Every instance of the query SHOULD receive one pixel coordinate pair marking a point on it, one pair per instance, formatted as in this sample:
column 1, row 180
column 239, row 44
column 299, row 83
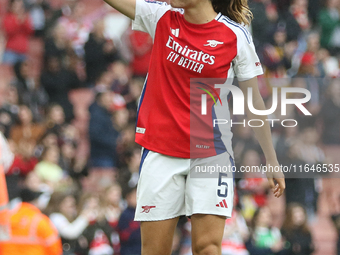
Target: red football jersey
column 182, row 51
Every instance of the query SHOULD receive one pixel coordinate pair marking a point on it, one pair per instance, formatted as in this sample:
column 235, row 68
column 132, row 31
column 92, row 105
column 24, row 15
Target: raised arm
column 126, row 7
column 263, row 135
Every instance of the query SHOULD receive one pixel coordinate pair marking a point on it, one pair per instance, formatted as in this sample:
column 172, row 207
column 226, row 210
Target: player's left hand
column 275, row 177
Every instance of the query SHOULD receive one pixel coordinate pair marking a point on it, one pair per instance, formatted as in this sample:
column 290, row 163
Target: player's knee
column 206, row 247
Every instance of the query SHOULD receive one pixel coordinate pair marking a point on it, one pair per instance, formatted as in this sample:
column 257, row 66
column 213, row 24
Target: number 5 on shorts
column 222, row 192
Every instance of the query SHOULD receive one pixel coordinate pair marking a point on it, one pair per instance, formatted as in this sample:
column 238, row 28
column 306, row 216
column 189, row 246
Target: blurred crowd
column 91, row 198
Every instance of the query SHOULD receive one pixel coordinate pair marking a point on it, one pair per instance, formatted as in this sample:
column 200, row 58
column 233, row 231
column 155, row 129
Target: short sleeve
column 246, row 63
column 148, row 13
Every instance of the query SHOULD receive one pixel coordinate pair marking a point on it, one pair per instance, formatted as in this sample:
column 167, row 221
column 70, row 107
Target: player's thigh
column 207, row 233
column 161, row 187
column 157, row 236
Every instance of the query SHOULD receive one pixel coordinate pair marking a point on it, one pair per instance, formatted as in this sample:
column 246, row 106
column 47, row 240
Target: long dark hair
column 237, row 10
column 288, row 225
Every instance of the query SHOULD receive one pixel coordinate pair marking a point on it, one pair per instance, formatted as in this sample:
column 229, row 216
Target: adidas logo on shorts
column 222, row 204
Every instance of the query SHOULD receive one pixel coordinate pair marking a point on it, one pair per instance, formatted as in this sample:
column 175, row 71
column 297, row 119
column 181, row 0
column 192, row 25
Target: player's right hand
column 276, row 179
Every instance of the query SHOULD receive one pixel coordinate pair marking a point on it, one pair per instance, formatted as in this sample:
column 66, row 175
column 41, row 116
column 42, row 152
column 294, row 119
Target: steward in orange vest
column 32, row 233
column 6, row 160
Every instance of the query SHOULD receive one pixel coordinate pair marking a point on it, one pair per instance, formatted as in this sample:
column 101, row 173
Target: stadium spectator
column 129, row 173
column 18, row 28
column 49, row 139
column 97, row 237
column 120, row 118
column 113, row 201
column 308, row 66
column 103, row 136
column 296, row 185
column 29, row 91
column 104, row 81
column 70, row 134
column 298, row 10
column 305, row 190
column 252, row 187
column 129, row 230
column 313, row 43
column 48, row 169
column 55, row 119
column 126, row 143
column 103, row 140
column 328, row 64
column 24, row 160
column 266, row 19
column 121, row 77
column 74, row 166
column 9, row 110
column 312, row 51
column 77, row 26
column 57, row 45
column 265, row 239
column 14, row 175
column 33, row 182
column 114, row 206
column 276, row 57
column 65, row 9
column 132, row 98
column 287, row 19
column 26, row 130
column 296, row 232
column 99, row 53
column 62, row 210
column 329, row 21
column 58, row 82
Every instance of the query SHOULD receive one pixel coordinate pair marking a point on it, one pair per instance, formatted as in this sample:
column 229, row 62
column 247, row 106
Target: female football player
column 199, row 46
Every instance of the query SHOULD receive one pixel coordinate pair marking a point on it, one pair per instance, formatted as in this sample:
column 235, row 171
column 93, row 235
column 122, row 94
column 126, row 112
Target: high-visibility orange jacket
column 32, row 233
column 6, row 159
column 4, row 217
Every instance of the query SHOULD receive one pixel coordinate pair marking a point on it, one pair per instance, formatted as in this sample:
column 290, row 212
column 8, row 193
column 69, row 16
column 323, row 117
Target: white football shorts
column 170, row 187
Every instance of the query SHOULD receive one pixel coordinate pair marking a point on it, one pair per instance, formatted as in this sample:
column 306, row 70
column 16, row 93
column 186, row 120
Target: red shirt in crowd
column 17, row 33
column 22, row 166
